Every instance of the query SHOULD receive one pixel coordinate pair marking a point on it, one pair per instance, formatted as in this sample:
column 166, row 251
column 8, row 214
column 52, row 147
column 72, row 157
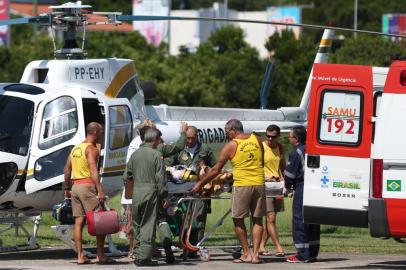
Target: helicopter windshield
column 16, row 116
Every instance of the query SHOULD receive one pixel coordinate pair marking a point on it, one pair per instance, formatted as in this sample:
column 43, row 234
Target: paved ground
column 60, row 258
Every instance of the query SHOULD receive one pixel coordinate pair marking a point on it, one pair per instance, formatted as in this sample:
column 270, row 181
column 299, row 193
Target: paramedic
column 127, row 203
column 192, row 156
column 166, row 150
column 305, row 236
column 146, row 169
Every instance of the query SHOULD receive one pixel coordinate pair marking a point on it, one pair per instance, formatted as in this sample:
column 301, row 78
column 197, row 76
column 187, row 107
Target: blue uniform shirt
column 294, row 172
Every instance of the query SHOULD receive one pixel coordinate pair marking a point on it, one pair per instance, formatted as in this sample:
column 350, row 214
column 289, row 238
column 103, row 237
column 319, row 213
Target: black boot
column 170, row 258
column 146, row 262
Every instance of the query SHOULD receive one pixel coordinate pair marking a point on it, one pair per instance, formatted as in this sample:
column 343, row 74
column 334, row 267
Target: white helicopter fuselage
column 45, row 115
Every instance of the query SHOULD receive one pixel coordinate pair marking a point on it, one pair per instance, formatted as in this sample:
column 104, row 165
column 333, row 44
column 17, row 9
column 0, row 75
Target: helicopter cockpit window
column 129, row 90
column 120, row 126
column 59, row 122
column 15, row 137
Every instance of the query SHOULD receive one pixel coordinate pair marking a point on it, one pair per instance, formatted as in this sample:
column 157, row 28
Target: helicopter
column 54, row 101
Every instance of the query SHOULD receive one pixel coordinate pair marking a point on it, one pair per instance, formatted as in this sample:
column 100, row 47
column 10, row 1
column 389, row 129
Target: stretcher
column 179, row 193
column 186, row 227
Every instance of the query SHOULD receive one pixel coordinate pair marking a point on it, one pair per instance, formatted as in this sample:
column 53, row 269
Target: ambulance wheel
column 204, row 255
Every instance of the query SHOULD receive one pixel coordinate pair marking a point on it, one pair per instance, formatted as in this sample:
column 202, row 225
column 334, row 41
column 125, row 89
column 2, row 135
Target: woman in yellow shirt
column 274, row 165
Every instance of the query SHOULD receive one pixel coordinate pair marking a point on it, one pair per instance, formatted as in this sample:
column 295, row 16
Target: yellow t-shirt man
column 272, row 161
column 247, row 163
column 80, row 166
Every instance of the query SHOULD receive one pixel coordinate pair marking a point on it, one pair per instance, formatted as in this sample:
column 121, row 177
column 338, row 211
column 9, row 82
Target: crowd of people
column 261, row 180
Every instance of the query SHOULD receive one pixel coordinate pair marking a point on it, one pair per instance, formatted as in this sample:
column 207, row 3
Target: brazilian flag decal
column 393, row 185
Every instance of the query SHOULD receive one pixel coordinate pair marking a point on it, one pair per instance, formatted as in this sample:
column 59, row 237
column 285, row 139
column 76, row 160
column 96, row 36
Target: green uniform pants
column 164, row 230
column 145, row 213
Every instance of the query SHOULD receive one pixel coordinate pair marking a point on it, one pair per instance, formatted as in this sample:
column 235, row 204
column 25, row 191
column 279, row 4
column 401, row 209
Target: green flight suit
column 205, row 154
column 167, row 150
column 147, row 170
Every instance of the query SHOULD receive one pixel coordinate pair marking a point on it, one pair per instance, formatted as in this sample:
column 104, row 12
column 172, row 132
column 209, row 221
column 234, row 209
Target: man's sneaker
column 295, row 259
column 312, row 260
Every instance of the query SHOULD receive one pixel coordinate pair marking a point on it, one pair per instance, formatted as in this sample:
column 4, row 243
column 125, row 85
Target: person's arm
column 128, row 180
column 160, row 177
column 261, row 146
column 282, row 163
column 172, row 160
column 292, row 169
column 226, row 153
column 171, row 149
column 67, row 174
column 210, row 159
column 128, row 172
column 92, row 158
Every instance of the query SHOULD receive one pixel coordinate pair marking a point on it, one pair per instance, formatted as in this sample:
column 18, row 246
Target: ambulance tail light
column 377, row 178
column 403, row 78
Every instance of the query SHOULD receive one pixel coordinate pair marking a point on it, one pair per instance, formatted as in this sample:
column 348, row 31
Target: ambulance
column 355, row 167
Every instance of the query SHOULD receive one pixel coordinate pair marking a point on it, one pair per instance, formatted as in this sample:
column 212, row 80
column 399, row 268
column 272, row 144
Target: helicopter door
column 57, row 128
column 118, row 135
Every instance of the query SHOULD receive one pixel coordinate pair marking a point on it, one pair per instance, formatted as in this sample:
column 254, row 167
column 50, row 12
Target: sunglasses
column 272, row 137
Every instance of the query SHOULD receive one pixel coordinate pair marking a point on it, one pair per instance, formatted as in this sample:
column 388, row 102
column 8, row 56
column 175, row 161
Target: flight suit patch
column 185, row 157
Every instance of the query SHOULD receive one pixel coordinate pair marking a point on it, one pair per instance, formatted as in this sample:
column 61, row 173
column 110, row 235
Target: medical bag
column 62, row 212
column 102, row 221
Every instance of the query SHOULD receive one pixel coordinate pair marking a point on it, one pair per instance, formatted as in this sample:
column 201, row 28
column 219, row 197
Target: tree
column 293, row 64
column 224, row 72
column 14, row 59
column 368, row 50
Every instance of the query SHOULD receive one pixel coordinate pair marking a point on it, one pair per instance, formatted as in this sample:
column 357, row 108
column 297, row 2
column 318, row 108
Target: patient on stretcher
column 181, row 179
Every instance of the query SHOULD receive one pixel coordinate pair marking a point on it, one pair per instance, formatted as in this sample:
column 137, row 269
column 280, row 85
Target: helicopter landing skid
column 16, row 222
column 63, row 232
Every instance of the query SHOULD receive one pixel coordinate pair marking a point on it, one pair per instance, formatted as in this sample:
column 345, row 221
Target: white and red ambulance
column 355, row 171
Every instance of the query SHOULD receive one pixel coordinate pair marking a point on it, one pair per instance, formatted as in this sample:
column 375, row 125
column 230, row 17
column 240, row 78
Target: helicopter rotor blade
column 314, row 26
column 39, row 19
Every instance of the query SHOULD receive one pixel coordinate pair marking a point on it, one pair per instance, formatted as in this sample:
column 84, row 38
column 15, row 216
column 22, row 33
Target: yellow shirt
column 272, row 160
column 80, row 167
column 247, row 163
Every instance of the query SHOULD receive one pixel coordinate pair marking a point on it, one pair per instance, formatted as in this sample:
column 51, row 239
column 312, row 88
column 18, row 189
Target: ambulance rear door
column 338, row 146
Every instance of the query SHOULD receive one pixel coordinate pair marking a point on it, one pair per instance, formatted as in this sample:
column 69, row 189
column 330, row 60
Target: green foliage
column 14, row 59
column 223, row 72
column 123, row 6
column 293, row 64
column 368, row 50
column 341, row 12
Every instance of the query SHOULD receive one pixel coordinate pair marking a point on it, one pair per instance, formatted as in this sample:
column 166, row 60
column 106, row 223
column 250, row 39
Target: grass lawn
column 333, row 239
